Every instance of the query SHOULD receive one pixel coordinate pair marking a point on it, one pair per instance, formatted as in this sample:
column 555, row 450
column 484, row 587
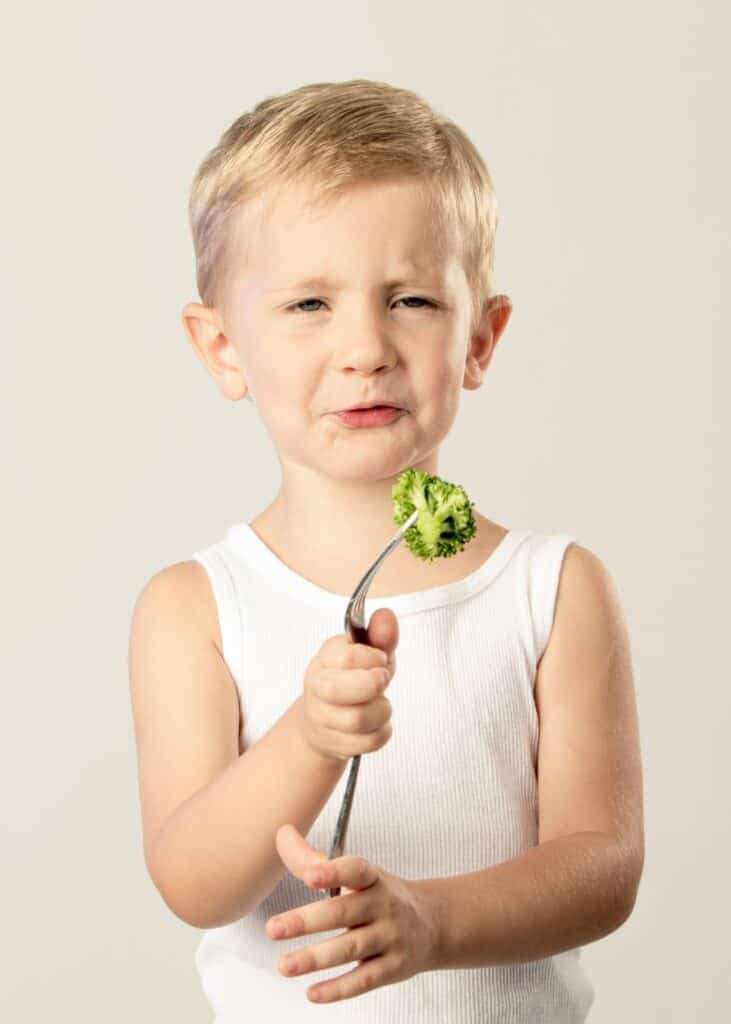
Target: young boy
column 344, row 237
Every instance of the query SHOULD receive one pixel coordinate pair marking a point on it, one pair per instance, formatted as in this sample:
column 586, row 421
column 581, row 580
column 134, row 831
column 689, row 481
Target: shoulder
column 181, row 593
column 582, row 567
column 589, row 632
column 586, row 587
column 589, row 761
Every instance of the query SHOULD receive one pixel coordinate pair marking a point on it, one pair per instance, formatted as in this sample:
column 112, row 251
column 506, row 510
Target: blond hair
column 334, row 134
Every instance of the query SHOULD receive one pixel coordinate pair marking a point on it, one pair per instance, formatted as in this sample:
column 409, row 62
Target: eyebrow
column 323, row 282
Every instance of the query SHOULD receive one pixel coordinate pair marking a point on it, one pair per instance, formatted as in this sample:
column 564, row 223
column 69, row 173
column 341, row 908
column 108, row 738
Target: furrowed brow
column 323, row 282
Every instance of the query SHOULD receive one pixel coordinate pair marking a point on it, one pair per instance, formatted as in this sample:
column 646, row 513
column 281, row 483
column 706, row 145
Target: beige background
column 606, row 129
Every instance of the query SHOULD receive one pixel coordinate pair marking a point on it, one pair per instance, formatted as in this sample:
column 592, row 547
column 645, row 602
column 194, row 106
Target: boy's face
column 358, row 301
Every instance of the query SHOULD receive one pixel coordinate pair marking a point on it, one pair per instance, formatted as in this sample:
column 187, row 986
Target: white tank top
column 453, row 791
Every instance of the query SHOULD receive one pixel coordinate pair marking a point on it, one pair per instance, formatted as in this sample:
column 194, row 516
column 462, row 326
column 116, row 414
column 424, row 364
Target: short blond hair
column 334, row 134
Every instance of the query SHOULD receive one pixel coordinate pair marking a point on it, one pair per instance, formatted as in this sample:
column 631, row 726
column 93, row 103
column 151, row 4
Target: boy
column 344, row 236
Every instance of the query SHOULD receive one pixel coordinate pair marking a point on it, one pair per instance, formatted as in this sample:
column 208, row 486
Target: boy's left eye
column 406, row 298
column 415, row 298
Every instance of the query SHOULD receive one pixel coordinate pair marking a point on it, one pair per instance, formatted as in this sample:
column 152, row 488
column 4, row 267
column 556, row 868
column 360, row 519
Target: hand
column 343, row 711
column 392, row 929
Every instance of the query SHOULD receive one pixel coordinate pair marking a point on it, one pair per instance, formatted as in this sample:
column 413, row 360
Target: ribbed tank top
column 454, row 790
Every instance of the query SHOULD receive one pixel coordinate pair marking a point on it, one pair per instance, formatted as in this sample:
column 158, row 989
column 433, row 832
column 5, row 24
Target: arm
column 580, row 883
column 210, row 814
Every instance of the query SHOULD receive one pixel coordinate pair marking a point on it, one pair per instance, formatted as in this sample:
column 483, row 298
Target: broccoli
column 444, row 523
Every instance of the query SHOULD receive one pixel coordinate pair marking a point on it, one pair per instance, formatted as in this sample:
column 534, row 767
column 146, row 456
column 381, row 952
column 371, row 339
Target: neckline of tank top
column 248, row 545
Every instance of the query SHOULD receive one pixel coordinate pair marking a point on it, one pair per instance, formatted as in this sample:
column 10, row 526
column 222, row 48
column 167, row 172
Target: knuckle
column 351, row 950
column 357, row 720
column 340, row 915
column 375, row 740
column 399, row 961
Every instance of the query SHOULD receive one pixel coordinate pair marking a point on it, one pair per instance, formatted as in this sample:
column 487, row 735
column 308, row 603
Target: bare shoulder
column 185, row 589
column 589, row 762
column 589, row 624
column 184, row 700
column 587, row 589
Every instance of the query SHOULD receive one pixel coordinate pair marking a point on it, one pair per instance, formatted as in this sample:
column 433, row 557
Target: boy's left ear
column 485, row 337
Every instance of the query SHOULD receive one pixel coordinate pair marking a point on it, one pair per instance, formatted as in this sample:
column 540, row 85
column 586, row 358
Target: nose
column 364, row 341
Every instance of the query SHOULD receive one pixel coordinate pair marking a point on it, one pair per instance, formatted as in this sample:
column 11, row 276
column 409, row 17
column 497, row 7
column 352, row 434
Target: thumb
column 299, row 856
column 383, row 631
column 295, row 851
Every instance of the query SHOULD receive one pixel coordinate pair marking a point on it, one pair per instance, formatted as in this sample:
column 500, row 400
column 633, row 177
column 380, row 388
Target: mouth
column 370, row 405
column 370, row 416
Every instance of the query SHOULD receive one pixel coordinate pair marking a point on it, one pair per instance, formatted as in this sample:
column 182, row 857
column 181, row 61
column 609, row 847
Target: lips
column 371, row 405
column 374, row 417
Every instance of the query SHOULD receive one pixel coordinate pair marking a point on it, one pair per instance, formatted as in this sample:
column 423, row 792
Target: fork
column 357, row 632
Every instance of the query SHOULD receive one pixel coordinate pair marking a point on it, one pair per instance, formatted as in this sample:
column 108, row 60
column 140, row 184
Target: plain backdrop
column 604, row 414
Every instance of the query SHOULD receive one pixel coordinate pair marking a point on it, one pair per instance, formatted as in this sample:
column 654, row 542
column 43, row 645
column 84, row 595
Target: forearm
column 215, row 859
column 559, row 895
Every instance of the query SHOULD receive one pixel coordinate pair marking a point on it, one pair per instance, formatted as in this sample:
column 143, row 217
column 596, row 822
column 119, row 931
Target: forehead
column 294, row 229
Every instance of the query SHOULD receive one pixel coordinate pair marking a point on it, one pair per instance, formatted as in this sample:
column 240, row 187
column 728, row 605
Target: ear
column 205, row 329
column 484, row 339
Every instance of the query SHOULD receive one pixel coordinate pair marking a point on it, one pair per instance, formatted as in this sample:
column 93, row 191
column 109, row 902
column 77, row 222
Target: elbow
column 623, row 909
column 632, row 893
column 188, row 895
column 174, row 889
column 179, row 908
column 629, row 876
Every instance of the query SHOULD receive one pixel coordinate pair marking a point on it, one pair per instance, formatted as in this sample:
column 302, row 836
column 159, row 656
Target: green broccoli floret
column 444, row 523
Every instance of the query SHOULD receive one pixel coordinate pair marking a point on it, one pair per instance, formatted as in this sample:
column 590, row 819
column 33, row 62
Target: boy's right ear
column 216, row 351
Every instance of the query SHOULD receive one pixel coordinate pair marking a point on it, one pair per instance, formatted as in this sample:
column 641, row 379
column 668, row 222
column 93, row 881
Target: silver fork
column 356, row 630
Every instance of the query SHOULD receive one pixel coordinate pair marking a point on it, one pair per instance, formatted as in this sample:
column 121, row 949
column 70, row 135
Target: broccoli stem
column 429, row 525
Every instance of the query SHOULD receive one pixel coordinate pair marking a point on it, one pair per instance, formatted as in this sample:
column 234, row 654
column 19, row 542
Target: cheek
column 290, row 407
column 440, row 377
column 282, row 377
column 439, row 394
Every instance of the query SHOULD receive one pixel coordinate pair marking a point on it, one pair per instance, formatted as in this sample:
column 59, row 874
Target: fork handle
column 359, row 635
column 357, row 632
column 336, row 850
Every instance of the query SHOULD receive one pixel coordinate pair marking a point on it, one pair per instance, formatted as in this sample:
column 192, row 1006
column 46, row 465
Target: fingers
column 356, row 872
column 345, row 655
column 351, row 674
column 354, row 716
column 344, row 710
column 352, row 688
column 359, row 945
column 345, row 911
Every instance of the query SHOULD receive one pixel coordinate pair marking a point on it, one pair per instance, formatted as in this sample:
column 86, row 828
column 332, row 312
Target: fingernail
column 316, row 877
column 279, row 929
column 290, row 964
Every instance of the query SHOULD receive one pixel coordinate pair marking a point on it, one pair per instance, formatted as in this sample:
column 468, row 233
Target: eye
column 415, row 298
column 297, row 306
column 303, row 302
